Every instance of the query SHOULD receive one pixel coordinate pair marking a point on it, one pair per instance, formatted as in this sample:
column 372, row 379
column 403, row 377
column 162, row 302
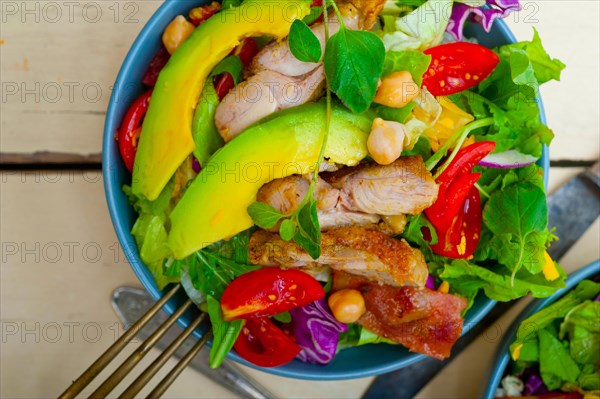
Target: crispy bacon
column 423, row 320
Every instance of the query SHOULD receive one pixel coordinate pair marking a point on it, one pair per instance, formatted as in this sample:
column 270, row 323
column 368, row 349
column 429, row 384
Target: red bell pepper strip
column 156, row 65
column 261, row 343
column 458, row 66
column 201, row 14
column 130, row 129
column 460, row 240
column 455, row 183
column 267, row 292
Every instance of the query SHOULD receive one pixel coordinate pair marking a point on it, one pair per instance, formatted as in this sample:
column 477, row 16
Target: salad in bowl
column 320, row 176
column 553, row 350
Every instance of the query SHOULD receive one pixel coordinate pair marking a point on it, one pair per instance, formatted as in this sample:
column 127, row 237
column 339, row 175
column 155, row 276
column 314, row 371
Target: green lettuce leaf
column 421, row 29
column 556, row 365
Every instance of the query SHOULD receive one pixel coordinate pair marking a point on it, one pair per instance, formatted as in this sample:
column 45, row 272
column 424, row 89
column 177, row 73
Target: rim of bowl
column 111, row 162
column 502, row 356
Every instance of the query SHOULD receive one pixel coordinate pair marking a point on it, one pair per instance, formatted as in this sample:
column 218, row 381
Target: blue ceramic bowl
column 351, row 363
column 503, row 357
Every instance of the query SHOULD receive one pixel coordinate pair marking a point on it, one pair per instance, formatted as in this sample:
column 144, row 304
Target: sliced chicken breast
column 261, row 95
column 405, row 186
column 360, row 251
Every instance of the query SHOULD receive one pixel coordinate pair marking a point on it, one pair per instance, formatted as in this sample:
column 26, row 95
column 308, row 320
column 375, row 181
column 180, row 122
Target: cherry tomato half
column 260, row 342
column 460, row 240
column 458, row 66
column 267, row 292
column 129, row 131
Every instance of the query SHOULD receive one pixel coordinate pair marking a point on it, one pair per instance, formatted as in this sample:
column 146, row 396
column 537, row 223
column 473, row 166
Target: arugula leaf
column 353, row 63
column 556, row 365
column 582, row 324
column 264, row 215
column 518, row 216
column 304, row 44
column 308, row 235
column 211, row 273
column 224, row 333
column 284, row 317
column 414, row 62
column 231, row 64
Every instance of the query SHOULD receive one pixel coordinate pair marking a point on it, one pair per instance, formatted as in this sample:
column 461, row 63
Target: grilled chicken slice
column 423, row 320
column 277, row 56
column 405, row 186
column 261, row 95
column 287, row 193
column 366, row 195
column 360, row 251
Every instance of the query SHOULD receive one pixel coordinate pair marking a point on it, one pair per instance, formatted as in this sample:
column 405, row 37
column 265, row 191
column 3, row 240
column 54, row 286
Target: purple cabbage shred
column 533, row 384
column 196, row 167
column 430, row 283
column 483, row 16
column 316, row 331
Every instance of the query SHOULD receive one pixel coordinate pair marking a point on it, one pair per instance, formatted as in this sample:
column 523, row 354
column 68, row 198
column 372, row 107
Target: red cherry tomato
column 246, row 50
column 130, row 129
column 201, row 14
column 261, row 343
column 460, row 240
column 458, row 66
column 455, row 183
column 223, row 83
column 156, row 65
column 267, row 292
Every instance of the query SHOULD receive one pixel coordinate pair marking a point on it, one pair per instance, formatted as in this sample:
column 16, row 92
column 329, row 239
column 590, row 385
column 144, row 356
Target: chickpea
column 396, row 90
column 347, row 305
column 176, row 32
column 386, row 141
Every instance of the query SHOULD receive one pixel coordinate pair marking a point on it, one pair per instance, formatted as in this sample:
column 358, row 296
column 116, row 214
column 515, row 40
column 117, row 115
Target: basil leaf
column 353, row 63
column 304, row 45
column 231, row 64
column 308, row 235
column 264, row 215
column 287, row 229
column 230, row 4
column 224, row 333
column 315, row 13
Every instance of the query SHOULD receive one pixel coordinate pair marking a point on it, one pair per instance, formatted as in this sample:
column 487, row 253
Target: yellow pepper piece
column 516, row 353
column 451, row 119
column 549, row 270
column 444, row 287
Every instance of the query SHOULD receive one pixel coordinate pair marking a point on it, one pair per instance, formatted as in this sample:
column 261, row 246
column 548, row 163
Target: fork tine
column 166, row 382
column 88, row 375
column 147, row 374
column 117, row 376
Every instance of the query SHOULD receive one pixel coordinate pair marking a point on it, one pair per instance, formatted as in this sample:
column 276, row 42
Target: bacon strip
column 422, row 320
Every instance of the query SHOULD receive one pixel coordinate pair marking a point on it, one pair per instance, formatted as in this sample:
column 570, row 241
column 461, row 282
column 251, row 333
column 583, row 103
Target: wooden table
column 60, row 256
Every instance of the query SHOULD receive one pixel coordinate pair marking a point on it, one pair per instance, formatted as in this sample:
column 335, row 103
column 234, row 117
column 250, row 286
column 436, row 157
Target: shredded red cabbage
column 316, row 331
column 533, row 384
column 430, row 283
column 483, row 16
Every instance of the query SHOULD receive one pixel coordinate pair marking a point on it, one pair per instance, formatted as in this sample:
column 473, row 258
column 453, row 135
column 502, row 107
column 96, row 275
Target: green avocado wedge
column 166, row 138
column 214, row 206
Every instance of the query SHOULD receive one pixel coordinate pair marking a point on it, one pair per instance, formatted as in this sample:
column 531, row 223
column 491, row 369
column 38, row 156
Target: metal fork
column 117, row 376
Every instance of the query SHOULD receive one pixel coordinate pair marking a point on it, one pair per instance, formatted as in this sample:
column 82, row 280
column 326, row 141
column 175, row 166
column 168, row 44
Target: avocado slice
column 166, row 138
column 288, row 142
